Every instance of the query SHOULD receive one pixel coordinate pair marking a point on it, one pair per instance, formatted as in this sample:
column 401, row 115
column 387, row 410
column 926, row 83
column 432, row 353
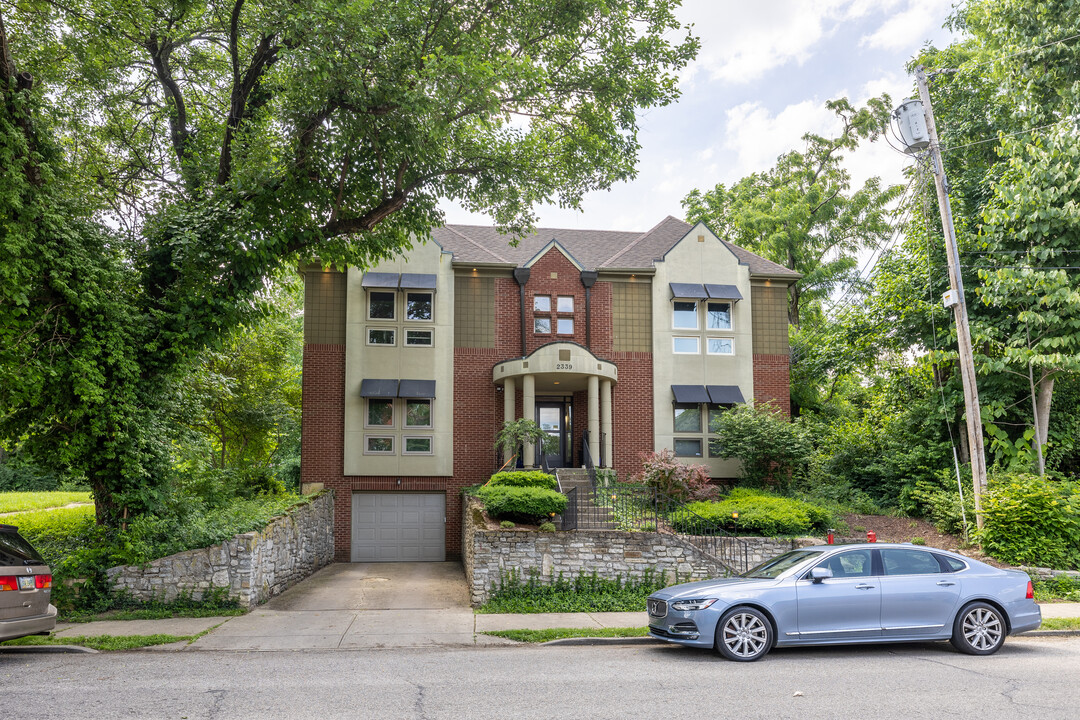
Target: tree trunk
column 1042, row 410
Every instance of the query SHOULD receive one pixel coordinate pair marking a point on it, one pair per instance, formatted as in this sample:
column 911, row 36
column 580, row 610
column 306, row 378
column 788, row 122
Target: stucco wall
column 252, row 567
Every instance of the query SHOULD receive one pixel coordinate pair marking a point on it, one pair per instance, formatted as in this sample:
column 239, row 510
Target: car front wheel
column 744, row 634
column 979, row 629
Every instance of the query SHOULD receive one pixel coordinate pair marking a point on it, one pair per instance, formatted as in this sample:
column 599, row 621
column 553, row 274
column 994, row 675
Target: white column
column 509, row 405
column 594, row 418
column 605, row 421
column 528, row 411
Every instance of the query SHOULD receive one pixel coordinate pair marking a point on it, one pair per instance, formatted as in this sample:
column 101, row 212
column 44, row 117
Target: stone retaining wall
column 253, row 567
column 1041, row 573
column 489, row 555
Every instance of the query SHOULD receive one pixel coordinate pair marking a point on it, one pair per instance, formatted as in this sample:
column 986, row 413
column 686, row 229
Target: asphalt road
column 1029, row 678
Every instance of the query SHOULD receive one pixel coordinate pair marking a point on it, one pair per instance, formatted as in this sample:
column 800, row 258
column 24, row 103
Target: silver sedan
column 870, row 593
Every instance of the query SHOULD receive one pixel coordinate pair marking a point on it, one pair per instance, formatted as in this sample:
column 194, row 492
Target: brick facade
column 772, row 381
column 478, row 401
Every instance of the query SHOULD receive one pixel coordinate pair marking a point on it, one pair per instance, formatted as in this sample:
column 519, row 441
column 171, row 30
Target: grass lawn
column 1060, row 624
column 21, row 501
column 102, row 642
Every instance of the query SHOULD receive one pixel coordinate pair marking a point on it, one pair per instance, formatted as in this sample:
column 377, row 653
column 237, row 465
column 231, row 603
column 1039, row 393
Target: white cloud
column 910, row 27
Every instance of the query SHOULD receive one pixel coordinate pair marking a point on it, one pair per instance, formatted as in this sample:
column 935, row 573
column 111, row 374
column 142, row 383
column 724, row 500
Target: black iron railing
column 570, row 514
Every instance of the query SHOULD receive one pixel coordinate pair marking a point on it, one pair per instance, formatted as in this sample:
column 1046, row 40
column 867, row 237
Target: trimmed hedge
column 524, row 504
column 759, row 514
column 524, row 478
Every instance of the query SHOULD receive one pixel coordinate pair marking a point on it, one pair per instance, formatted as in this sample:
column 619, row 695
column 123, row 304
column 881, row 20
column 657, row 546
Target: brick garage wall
column 252, row 567
column 772, row 381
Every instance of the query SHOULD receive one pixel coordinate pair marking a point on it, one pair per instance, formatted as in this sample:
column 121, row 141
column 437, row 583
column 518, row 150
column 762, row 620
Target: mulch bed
column 905, row 529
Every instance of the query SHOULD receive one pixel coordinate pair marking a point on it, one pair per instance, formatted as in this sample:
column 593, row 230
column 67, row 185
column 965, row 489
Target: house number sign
column 564, row 366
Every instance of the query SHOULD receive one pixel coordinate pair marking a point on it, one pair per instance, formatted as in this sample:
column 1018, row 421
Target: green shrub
column 507, row 525
column 1028, row 520
column 758, row 514
column 1059, row 587
column 524, row 478
column 524, row 504
column 547, row 527
column 585, row 593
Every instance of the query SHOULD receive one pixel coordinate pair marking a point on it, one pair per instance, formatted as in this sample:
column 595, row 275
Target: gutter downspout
column 588, row 278
column 522, row 277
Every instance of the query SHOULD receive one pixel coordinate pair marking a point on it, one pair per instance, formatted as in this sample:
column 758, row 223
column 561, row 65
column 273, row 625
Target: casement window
column 418, row 413
column 418, row 338
column 381, row 336
column 378, row 444
column 542, row 325
column 542, row 303
column 718, row 316
column 380, row 413
column 686, row 345
column 418, row 306
column 565, row 326
column 687, row 417
column 688, row 447
column 381, row 305
column 416, row 445
column 721, row 346
column 684, row 315
column 565, row 304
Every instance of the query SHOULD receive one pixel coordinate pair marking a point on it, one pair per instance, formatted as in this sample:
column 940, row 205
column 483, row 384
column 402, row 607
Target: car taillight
column 1030, row 591
column 7, row 582
column 42, row 581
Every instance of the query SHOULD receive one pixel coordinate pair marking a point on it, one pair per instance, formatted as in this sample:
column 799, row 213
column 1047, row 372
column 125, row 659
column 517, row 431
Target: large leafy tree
column 802, row 213
column 217, row 142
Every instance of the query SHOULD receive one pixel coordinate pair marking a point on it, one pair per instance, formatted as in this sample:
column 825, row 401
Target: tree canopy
column 177, row 155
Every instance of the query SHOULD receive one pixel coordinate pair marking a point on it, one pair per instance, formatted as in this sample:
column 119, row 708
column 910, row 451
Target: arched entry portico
column 561, row 368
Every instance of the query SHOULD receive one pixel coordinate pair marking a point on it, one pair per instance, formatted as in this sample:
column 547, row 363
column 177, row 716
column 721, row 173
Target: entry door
column 551, row 416
column 398, row 527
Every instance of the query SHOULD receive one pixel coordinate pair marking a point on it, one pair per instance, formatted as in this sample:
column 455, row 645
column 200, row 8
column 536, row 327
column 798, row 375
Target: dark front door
column 552, row 417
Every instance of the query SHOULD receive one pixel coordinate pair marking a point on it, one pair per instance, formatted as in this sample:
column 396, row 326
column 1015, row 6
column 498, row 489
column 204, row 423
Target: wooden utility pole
column 963, row 332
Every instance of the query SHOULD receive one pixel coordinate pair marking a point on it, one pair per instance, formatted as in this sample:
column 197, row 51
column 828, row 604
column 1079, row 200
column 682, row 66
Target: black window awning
column 372, row 388
column 725, row 395
column 690, row 393
column 723, row 292
column 417, row 389
column 688, row 290
column 380, row 280
column 417, row 281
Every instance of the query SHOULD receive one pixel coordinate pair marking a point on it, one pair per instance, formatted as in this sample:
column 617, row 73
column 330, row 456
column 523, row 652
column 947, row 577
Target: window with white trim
column 718, row 316
column 381, row 305
column 565, row 326
column 721, row 346
column 417, row 413
column 418, row 306
column 684, row 315
column 542, row 325
column 380, row 413
column 416, row 445
column 381, row 336
column 542, row 303
column 685, row 345
column 419, row 338
column 565, row 304
column 378, row 444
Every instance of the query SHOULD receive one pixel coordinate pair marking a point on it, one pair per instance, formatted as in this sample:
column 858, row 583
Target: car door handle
column 946, row 583
column 864, row 587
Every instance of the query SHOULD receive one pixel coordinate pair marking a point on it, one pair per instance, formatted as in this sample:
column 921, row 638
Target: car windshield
column 774, row 567
column 16, row 551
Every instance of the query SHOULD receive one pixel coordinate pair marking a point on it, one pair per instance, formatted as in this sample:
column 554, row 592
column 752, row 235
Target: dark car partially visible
column 25, row 588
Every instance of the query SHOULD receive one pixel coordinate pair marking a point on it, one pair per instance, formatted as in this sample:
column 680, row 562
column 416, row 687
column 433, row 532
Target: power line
column 1005, row 57
column 1000, row 137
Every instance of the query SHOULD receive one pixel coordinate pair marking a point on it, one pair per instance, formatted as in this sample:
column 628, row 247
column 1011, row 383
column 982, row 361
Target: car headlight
column 699, row 604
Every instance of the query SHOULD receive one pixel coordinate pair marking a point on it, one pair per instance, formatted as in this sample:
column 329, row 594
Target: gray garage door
column 398, row 527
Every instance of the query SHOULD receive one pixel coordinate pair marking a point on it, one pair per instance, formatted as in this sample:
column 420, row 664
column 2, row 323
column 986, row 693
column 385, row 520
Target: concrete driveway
column 360, row 605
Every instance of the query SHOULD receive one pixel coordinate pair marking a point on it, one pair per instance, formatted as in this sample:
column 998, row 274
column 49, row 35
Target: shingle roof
column 594, row 249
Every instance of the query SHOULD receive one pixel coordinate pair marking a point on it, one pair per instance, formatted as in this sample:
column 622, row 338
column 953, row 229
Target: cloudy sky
column 761, row 80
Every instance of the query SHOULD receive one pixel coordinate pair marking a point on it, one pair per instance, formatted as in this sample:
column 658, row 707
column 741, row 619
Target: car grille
column 657, row 608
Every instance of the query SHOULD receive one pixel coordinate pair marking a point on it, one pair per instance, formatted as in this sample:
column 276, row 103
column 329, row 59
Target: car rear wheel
column 744, row 634
column 979, row 629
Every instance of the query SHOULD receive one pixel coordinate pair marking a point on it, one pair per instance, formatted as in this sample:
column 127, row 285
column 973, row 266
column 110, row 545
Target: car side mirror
column 820, row 573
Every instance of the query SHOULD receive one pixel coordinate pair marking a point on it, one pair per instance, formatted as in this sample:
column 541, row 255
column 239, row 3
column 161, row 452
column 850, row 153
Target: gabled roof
column 593, row 249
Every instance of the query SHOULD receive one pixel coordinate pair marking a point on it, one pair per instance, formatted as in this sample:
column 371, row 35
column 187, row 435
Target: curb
column 587, row 641
column 1049, row 633
column 44, row 649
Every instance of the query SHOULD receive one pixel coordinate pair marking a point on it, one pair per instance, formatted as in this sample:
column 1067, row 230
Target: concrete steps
column 590, row 516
